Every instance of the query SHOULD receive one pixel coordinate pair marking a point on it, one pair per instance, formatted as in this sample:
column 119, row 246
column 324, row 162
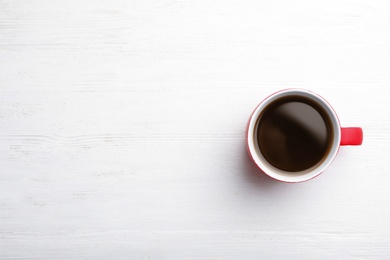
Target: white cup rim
column 279, row 174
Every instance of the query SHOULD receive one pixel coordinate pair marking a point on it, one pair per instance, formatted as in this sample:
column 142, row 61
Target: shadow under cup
column 293, row 135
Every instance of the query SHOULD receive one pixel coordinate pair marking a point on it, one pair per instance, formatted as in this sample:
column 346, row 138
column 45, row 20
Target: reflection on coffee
column 294, row 133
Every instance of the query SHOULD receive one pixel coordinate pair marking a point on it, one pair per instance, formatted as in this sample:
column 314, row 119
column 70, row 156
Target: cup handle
column 351, row 136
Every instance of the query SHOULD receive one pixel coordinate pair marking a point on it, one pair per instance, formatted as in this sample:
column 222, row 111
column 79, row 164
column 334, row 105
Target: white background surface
column 122, row 129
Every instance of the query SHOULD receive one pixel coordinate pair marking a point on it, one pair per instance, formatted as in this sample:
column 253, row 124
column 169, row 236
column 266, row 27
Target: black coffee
column 294, row 133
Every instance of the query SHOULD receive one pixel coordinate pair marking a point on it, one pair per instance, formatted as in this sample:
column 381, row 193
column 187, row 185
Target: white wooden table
column 122, row 129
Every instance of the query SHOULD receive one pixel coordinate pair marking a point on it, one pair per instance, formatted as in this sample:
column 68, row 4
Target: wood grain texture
column 122, row 129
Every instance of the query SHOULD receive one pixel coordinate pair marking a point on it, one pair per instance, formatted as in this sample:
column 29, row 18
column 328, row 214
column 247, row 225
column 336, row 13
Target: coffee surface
column 293, row 134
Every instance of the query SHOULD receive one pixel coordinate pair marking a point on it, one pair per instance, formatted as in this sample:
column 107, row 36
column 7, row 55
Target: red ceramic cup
column 341, row 136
